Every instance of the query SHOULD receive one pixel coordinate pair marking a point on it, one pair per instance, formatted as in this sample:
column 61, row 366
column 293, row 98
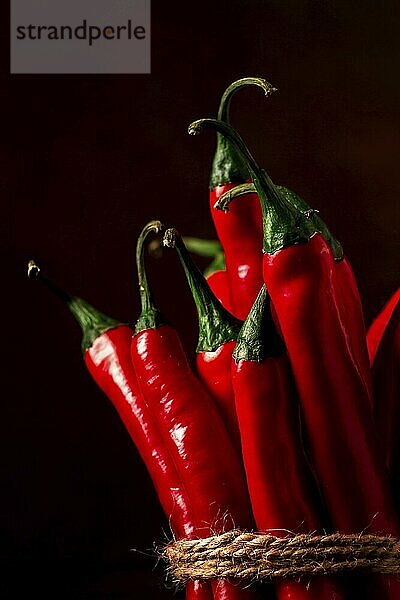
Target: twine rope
column 254, row 556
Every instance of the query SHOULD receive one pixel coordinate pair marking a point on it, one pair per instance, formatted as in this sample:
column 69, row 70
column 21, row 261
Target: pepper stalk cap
column 228, row 166
column 258, row 339
column 92, row 322
column 216, row 325
column 284, row 224
column 150, row 316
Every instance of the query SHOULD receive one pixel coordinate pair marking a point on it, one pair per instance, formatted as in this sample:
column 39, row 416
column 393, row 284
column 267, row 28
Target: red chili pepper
column 240, row 232
column 378, row 326
column 215, row 273
column 300, row 273
column 349, row 301
column 106, row 349
column 219, row 284
column 218, row 331
column 350, row 306
column 283, row 496
column 386, row 380
column 198, row 441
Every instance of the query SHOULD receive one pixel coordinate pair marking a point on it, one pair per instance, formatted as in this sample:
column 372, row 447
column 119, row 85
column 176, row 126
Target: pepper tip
column 33, row 269
column 267, row 87
column 155, row 226
column 223, row 203
column 170, row 237
column 195, row 127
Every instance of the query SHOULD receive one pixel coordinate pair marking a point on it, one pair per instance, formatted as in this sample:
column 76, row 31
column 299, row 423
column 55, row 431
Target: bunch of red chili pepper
column 291, row 422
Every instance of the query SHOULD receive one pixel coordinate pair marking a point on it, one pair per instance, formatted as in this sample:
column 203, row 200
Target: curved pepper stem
column 224, row 201
column 35, row 272
column 284, row 223
column 216, row 325
column 150, row 316
column 252, row 168
column 224, row 106
column 227, row 165
column 93, row 322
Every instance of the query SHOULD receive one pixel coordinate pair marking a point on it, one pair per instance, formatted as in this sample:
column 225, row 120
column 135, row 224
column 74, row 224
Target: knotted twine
column 253, row 556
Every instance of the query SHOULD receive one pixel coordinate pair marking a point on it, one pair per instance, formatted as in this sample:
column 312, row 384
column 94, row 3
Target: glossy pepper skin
column 240, row 235
column 283, row 495
column 109, row 363
column 301, row 281
column 349, row 301
column 106, row 350
column 378, row 326
column 386, row 381
column 299, row 270
column 197, row 439
column 218, row 331
column 214, row 370
column 196, row 432
column 219, row 284
column 350, row 307
column 240, row 231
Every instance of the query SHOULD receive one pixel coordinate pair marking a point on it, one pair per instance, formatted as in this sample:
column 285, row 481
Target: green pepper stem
column 301, row 205
column 216, row 325
column 224, row 201
column 287, row 219
column 92, row 322
column 228, row 167
column 224, row 106
column 283, row 224
column 256, row 173
column 150, row 316
column 35, row 272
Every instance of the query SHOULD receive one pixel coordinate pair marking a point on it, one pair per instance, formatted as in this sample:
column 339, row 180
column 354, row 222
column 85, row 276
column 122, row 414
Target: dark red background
column 85, row 162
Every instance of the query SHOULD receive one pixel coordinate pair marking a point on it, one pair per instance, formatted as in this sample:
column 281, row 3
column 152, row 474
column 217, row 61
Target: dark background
column 85, row 162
